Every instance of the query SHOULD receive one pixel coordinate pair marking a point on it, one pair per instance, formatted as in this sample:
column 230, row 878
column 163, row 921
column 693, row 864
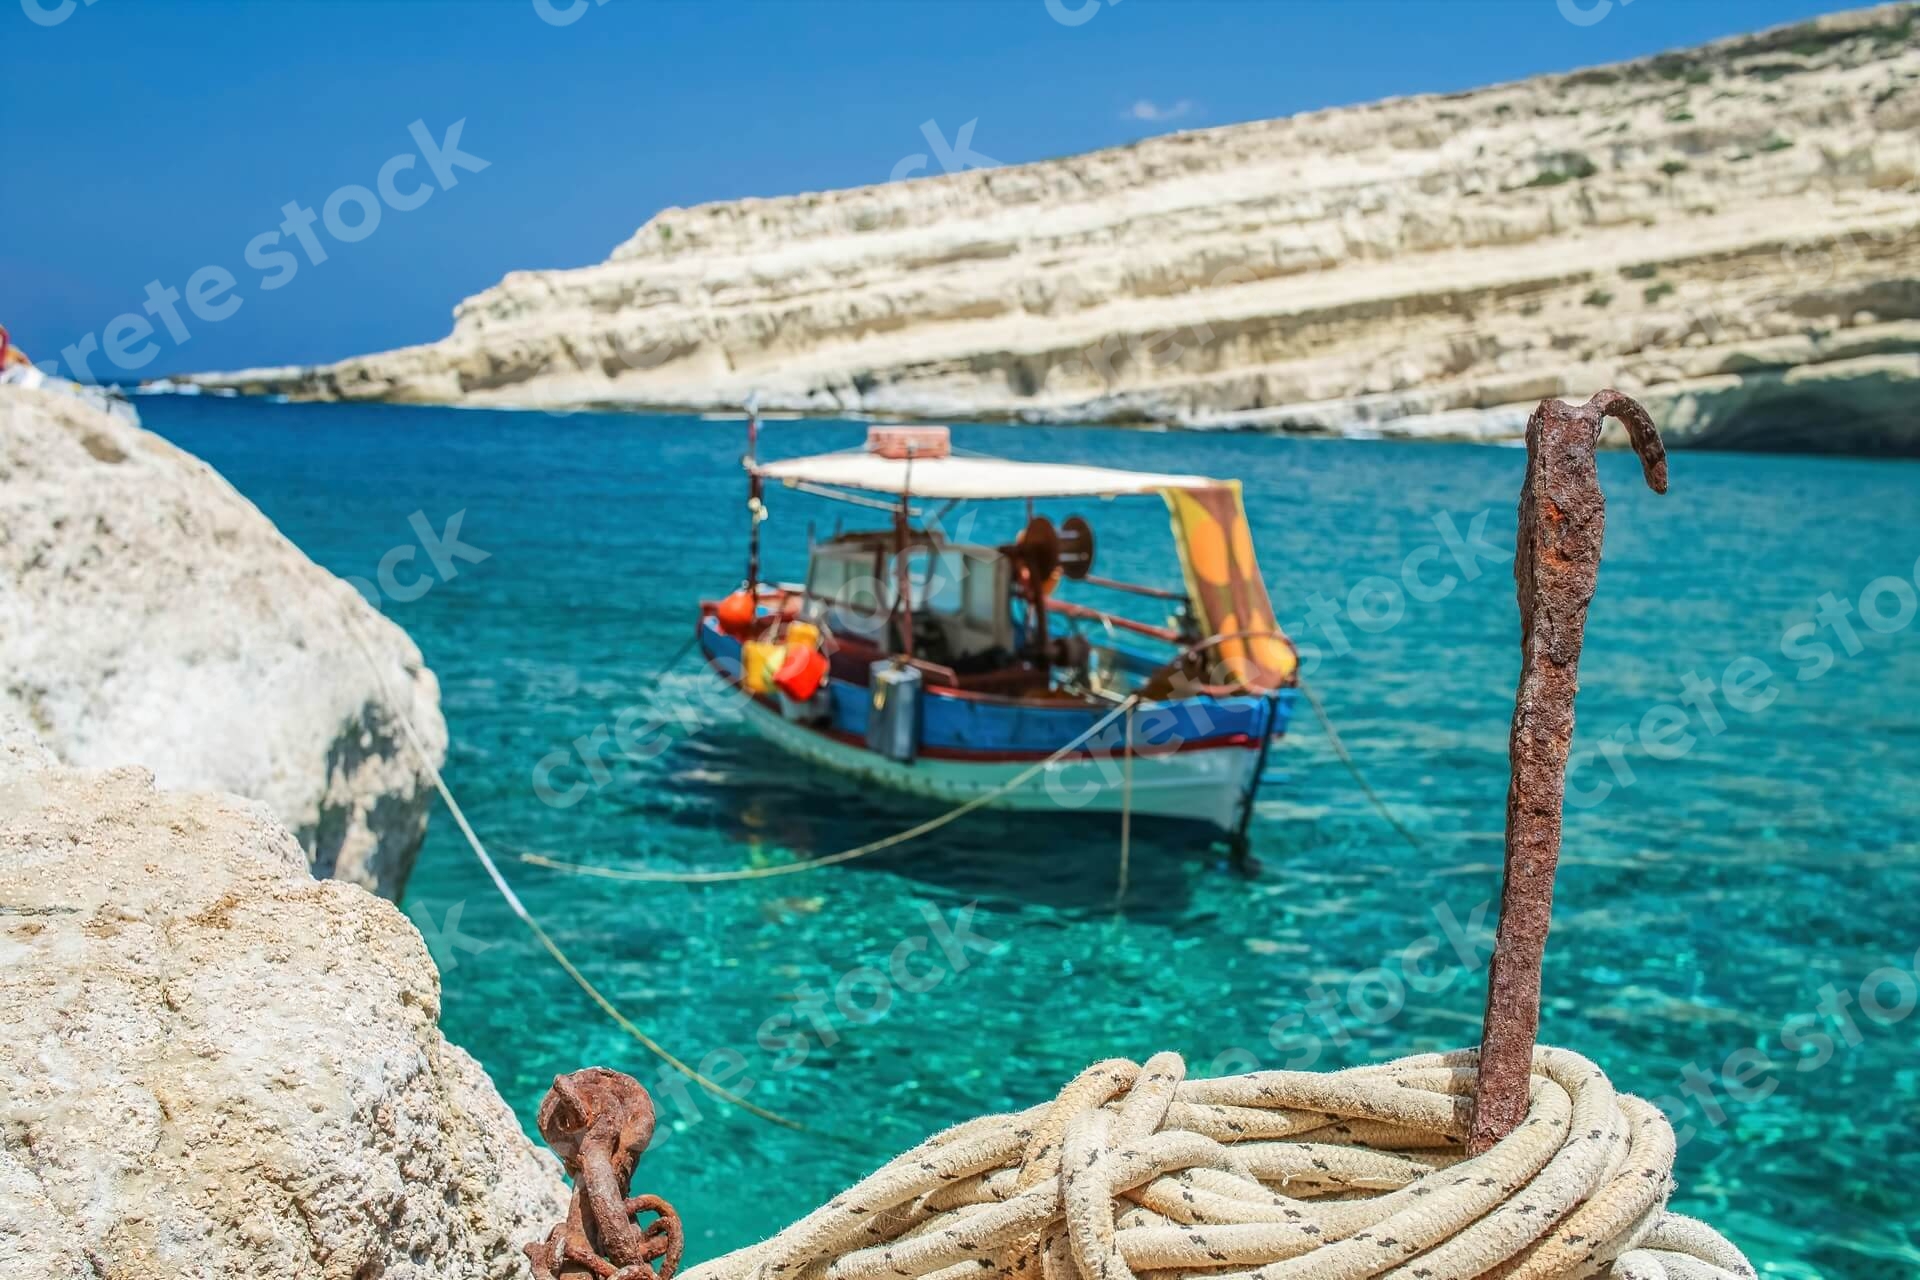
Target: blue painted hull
column 987, row 735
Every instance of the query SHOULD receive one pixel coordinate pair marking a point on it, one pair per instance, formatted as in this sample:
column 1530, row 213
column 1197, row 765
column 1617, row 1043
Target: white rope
column 845, row 855
column 1346, row 758
column 519, row 908
column 1126, row 813
column 1137, row 1171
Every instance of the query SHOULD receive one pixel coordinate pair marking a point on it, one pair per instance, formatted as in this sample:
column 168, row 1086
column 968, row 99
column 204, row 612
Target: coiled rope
column 1136, row 1171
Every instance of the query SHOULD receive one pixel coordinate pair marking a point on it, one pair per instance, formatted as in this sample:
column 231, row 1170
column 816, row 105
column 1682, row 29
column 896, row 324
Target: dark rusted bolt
column 1555, row 567
column 599, row 1122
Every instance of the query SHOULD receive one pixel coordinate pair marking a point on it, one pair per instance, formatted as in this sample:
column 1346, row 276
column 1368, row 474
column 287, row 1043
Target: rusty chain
column 599, row 1122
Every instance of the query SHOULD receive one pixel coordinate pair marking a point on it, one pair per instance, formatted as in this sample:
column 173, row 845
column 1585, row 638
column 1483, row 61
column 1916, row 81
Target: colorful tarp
column 1227, row 593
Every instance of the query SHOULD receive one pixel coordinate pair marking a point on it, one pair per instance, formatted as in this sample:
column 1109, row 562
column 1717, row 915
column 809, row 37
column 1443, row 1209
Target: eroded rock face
column 150, row 614
column 218, row 1066
column 1419, row 266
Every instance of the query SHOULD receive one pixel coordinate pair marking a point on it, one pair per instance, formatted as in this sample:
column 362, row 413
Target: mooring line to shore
column 845, row 855
column 1346, row 758
column 526, row 917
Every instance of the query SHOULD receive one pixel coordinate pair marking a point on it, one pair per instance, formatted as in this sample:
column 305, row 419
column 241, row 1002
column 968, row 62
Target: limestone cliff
column 1730, row 232
column 217, row 1066
column 151, row 615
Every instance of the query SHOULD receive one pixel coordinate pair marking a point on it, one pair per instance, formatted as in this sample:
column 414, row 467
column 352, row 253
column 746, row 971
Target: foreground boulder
column 218, row 1066
column 150, row 614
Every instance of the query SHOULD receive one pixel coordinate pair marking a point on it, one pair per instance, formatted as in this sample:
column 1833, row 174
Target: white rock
column 150, row 614
column 1457, row 243
column 217, row 1066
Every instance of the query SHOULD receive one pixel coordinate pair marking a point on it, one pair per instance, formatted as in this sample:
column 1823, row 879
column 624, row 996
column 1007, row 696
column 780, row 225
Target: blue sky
column 150, row 141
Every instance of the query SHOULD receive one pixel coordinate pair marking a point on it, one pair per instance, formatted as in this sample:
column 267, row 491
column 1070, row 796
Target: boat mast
column 903, row 576
column 756, row 509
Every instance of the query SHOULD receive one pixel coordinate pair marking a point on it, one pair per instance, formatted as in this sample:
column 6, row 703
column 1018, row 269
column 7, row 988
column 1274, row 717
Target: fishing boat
column 963, row 671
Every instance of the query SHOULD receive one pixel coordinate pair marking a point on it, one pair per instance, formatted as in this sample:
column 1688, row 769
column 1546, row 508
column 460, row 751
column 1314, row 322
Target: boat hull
column 1197, row 760
column 1207, row 786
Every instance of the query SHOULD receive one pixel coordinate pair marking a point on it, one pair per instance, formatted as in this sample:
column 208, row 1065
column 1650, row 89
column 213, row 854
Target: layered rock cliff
column 1730, row 232
column 217, row 1066
column 151, row 615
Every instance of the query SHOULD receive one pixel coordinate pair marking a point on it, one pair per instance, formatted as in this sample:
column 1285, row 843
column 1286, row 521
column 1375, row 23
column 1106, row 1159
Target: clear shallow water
column 1699, row 909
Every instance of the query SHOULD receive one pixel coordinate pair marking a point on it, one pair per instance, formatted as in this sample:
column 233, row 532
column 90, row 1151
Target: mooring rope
column 1346, row 758
column 1126, row 816
column 526, row 917
column 1275, row 1175
column 845, row 855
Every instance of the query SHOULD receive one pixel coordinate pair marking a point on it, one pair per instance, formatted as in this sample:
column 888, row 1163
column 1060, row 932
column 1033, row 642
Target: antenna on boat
column 756, row 509
column 1555, row 566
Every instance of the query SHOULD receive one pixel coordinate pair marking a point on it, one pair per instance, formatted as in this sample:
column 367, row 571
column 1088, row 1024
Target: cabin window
column 940, row 587
column 984, row 595
column 845, row 580
column 963, row 588
column 842, row 585
column 827, row 578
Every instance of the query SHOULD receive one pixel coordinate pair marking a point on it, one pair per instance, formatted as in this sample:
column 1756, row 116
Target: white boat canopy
column 971, row 477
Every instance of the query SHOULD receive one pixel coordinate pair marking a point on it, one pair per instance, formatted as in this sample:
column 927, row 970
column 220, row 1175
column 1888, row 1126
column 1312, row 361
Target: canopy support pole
column 902, row 572
column 756, row 508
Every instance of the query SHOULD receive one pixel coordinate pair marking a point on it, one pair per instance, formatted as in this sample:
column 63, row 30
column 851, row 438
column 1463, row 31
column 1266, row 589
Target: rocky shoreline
column 1729, row 232
column 217, row 1065
column 150, row 614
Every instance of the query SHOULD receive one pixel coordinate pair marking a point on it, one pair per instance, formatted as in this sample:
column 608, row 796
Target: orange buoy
column 736, row 613
column 801, row 674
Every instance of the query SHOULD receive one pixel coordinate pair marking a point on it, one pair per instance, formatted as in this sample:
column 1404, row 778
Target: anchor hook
column 1555, row 568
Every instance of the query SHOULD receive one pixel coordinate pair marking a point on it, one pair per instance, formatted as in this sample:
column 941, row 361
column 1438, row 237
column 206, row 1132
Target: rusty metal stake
column 598, row 1122
column 1557, row 562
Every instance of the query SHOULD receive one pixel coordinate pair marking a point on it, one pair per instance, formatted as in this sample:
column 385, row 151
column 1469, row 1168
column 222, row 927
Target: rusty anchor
column 599, row 1122
column 1555, row 568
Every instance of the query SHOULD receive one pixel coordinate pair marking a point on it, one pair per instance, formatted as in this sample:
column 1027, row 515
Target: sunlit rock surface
column 217, row 1066
column 151, row 615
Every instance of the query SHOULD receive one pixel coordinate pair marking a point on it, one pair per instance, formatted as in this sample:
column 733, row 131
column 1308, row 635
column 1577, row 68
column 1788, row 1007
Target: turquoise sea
column 1772, row 853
